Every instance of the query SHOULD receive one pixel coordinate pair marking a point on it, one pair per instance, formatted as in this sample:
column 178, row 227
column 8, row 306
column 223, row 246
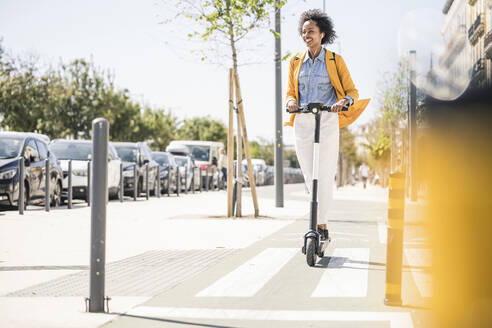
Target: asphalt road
column 268, row 284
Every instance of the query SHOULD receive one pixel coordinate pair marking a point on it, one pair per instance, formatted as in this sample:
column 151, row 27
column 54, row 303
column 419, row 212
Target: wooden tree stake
column 239, row 102
column 230, row 145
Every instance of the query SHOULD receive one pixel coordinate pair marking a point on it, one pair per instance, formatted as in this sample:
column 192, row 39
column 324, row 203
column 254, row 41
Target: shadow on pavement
column 44, row 267
column 171, row 321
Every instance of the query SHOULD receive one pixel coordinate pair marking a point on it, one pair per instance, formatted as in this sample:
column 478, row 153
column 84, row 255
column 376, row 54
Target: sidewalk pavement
column 44, row 257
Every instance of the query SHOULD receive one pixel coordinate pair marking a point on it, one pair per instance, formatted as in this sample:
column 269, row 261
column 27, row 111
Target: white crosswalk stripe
column 250, row 277
column 346, row 275
column 395, row 319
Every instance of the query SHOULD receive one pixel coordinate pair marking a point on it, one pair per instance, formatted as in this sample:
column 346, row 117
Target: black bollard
column 201, row 179
column 69, row 188
column 168, row 180
column 193, row 181
column 47, row 185
column 147, row 181
column 88, row 190
column 135, row 182
column 178, row 185
column 122, row 187
column 100, row 133
column 186, row 180
column 158, row 189
column 20, row 198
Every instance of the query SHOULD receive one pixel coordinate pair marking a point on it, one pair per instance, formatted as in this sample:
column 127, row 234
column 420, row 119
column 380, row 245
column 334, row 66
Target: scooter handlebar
column 314, row 108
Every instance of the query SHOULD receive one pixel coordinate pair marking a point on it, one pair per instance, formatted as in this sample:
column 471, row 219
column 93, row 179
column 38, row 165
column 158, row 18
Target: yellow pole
column 394, row 246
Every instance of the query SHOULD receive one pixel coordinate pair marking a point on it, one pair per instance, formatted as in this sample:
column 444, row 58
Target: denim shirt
column 314, row 82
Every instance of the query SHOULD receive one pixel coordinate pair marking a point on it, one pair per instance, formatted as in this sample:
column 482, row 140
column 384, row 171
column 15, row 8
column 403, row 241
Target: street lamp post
column 279, row 181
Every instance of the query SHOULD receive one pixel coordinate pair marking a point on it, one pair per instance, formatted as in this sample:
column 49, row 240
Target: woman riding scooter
column 320, row 76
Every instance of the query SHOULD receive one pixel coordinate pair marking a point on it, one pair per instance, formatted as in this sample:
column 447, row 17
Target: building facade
column 467, row 33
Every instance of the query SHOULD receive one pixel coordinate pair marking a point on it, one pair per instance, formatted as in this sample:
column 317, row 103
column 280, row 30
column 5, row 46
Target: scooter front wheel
column 311, row 251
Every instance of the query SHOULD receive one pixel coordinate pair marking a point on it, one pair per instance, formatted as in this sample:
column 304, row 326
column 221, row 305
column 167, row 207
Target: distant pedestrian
column 223, row 164
column 364, row 173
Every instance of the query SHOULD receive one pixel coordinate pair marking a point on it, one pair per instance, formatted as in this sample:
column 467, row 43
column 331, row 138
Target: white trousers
column 304, row 125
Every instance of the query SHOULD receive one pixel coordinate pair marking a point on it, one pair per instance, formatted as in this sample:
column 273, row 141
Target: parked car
column 205, row 153
column 139, row 154
column 80, row 153
column 165, row 159
column 187, row 164
column 269, row 175
column 259, row 170
column 33, row 148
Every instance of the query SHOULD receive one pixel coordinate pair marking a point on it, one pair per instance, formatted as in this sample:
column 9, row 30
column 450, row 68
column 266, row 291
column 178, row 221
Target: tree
column 21, row 100
column 202, row 128
column 225, row 21
column 162, row 128
column 381, row 134
column 84, row 97
column 63, row 101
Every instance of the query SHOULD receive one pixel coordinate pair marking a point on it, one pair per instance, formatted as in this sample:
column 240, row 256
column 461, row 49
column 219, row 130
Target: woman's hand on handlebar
column 338, row 106
column 291, row 106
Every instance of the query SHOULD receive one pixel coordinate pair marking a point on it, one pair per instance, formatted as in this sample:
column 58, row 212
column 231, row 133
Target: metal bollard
column 20, row 199
column 193, row 181
column 394, row 249
column 122, row 187
column 47, row 185
column 218, row 180
column 207, row 182
column 186, row 180
column 88, row 190
column 100, row 133
column 147, row 181
column 201, row 182
column 178, row 178
column 135, row 182
column 158, row 190
column 168, row 180
column 69, row 188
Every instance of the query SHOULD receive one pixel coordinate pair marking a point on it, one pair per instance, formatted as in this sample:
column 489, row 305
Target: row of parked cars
column 129, row 159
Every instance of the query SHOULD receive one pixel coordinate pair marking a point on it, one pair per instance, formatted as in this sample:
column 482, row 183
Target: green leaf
column 276, row 34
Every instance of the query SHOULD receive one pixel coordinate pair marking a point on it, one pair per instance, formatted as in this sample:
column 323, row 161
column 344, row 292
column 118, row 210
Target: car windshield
column 161, row 159
column 200, row 153
column 127, row 153
column 181, row 161
column 10, row 148
column 72, row 150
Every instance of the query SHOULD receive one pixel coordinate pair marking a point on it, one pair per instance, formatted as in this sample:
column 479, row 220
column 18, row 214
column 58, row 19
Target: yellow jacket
column 339, row 78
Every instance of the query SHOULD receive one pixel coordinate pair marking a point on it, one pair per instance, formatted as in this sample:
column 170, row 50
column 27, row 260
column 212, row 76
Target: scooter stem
column 314, row 199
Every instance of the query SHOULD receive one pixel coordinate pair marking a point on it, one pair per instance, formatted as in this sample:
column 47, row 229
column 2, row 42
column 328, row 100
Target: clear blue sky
column 125, row 37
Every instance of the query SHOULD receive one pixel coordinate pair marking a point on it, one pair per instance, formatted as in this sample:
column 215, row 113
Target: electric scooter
column 313, row 244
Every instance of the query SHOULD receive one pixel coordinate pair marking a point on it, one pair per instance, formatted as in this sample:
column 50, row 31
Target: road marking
column 419, row 259
column 396, row 319
column 250, row 277
column 349, row 234
column 346, row 275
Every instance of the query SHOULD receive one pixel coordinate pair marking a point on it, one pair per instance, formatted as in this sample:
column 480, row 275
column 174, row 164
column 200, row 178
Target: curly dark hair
column 322, row 20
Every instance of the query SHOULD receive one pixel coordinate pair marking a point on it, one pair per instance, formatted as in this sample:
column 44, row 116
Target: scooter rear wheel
column 311, row 251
